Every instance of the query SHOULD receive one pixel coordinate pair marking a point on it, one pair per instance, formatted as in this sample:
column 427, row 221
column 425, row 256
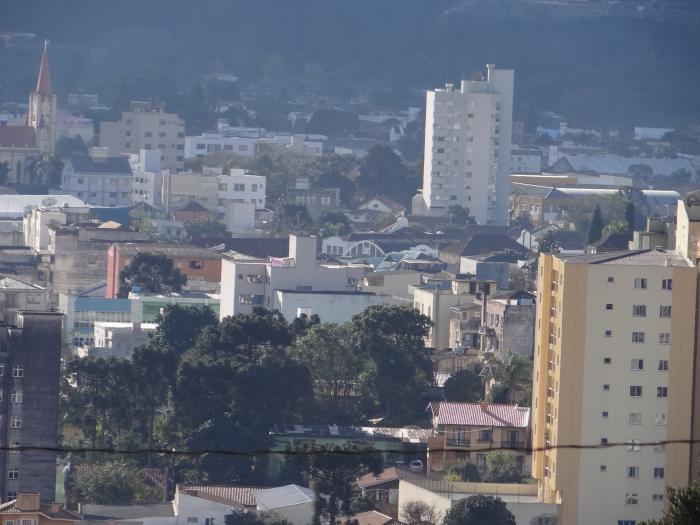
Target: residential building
column 468, row 148
column 38, row 219
column 292, row 503
column 146, row 308
column 147, row 127
column 525, row 160
column 201, row 266
column 116, row 340
column 382, row 489
column 247, row 282
column 245, row 141
column 659, row 233
column 467, row 431
column 27, row 507
column 520, row 498
column 201, row 504
column 30, row 370
column 147, row 181
column 509, row 325
column 616, row 364
column 98, row 179
column 435, row 298
column 492, row 266
column 607, row 164
column 644, row 133
column 316, row 200
column 382, row 205
column 71, row 126
column 16, row 296
column 179, row 189
column 81, row 310
column 240, row 185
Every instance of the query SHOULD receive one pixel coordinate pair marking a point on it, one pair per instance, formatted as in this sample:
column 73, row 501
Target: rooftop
column 369, row 480
column 286, row 496
column 480, row 414
column 127, row 512
column 108, row 165
column 234, row 495
column 17, row 136
column 170, row 250
column 9, row 283
column 631, row 258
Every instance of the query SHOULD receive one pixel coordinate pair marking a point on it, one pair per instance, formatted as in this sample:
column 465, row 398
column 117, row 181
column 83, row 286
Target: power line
column 336, row 450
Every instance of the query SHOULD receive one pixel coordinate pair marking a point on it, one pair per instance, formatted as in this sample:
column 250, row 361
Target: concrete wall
column 330, row 307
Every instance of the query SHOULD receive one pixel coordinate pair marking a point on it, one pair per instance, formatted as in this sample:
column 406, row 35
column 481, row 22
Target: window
column 606, row 387
column 603, row 441
column 15, row 421
column 664, row 338
column 640, row 283
column 16, row 396
column 604, row 413
column 631, row 499
column 10, row 496
column 639, row 310
column 661, row 391
column 626, row 522
column 484, row 435
column 635, row 418
column 239, row 187
column 192, row 520
column 18, row 371
column 658, row 472
column 608, row 333
column 657, row 497
column 666, row 284
column 634, row 445
column 632, row 472
column 664, row 311
column 635, row 391
column 609, row 306
column 13, row 473
column 660, row 419
column 611, row 279
column 637, row 364
column 663, row 365
column 607, row 360
column 196, row 265
column 240, row 276
column 637, row 337
column 148, row 134
column 603, row 468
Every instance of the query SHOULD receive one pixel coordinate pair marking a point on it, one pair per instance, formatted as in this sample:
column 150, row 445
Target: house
column 495, row 266
column 200, row 504
column 468, row 431
column 290, row 502
column 16, row 295
column 509, row 324
column 371, row 517
column 316, row 200
column 98, row 179
column 612, row 242
column 193, row 211
column 117, row 340
column 382, row 489
column 26, row 508
column 381, row 204
column 201, row 266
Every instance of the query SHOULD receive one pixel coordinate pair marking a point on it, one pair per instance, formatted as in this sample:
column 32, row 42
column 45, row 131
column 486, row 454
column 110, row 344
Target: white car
column 416, row 465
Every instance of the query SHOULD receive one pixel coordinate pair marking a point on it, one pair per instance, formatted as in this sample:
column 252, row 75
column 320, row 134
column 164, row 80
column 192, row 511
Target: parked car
column 416, row 465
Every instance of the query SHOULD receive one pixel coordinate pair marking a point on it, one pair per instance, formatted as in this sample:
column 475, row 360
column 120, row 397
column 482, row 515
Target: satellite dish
column 49, row 201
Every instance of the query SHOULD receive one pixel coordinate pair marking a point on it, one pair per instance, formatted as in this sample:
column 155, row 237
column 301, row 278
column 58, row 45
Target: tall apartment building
column 150, row 128
column 616, row 364
column 468, row 148
column 29, row 385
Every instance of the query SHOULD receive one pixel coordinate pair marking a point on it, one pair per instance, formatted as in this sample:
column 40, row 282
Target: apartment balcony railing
column 461, row 443
column 513, row 444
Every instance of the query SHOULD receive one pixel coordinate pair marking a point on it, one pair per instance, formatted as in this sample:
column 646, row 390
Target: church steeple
column 42, row 107
column 43, row 83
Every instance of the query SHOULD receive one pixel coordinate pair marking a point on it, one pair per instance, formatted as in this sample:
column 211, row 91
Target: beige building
column 615, row 366
column 147, row 127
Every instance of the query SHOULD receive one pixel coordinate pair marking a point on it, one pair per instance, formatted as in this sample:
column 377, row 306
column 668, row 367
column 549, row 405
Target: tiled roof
column 480, row 414
column 631, row 258
column 286, row 496
column 17, row 136
column 480, row 243
column 92, row 511
column 614, row 241
column 368, row 480
column 10, row 283
column 371, row 517
column 169, row 250
column 405, row 434
column 234, row 495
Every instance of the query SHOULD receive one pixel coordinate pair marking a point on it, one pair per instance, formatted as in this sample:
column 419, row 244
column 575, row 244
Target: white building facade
column 468, row 148
column 98, row 180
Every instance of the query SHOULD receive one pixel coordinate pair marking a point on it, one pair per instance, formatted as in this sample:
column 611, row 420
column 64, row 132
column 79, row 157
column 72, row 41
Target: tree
column 335, row 364
column 66, row 147
column 682, row 506
column 334, row 470
column 114, row 483
column 333, row 223
column 512, row 380
column 4, row 172
column 333, row 122
column 595, row 230
column 419, row 513
column 459, row 215
column 615, row 227
column 501, row 467
column 522, row 221
column 206, row 229
column 398, row 369
column 48, row 170
column 291, row 218
column 630, row 216
column 479, row 510
column 178, row 327
column 383, row 173
column 150, row 273
column 463, row 470
column 465, row 385
column 547, row 243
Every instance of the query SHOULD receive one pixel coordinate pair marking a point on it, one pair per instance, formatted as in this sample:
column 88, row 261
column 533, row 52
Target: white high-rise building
column 467, row 148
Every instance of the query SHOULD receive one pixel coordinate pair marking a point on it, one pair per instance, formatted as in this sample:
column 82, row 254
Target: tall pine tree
column 595, row 230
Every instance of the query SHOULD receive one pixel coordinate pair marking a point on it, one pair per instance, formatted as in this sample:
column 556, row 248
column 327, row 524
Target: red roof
column 368, row 480
column 480, row 414
column 43, row 83
column 234, row 495
column 17, row 137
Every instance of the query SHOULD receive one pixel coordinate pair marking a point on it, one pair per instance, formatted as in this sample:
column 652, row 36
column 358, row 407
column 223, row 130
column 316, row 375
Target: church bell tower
column 42, row 107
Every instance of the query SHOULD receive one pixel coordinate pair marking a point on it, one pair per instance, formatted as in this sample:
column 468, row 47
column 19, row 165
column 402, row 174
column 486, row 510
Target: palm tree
column 512, row 380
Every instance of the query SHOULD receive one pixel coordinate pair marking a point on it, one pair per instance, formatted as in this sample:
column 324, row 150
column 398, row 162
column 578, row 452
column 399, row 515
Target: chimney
column 484, row 406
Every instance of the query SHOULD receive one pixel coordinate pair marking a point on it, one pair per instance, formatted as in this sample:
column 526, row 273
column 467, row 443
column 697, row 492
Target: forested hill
column 615, row 69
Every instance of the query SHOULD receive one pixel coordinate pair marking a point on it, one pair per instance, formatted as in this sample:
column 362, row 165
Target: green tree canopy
column 332, row 122
column 114, row 483
column 547, row 243
column 206, row 229
column 479, row 510
column 383, row 173
column 682, row 506
column 465, row 385
column 502, row 467
column 595, row 230
column 151, row 273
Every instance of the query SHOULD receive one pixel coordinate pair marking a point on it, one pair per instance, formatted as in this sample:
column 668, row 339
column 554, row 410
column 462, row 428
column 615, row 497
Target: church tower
column 42, row 107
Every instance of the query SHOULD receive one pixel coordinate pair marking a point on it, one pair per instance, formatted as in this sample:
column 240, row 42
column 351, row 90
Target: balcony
column 458, row 443
column 514, row 445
